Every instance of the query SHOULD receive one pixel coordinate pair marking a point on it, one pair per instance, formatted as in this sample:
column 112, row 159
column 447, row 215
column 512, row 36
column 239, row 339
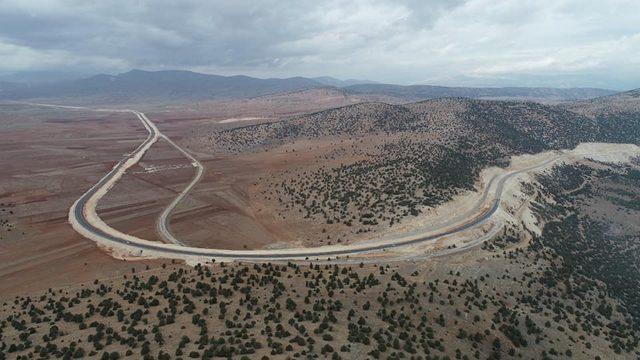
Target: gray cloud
column 475, row 42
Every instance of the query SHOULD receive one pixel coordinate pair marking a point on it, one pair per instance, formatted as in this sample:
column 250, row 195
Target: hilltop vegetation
column 601, row 250
column 617, row 116
column 393, row 161
column 537, row 125
column 389, row 162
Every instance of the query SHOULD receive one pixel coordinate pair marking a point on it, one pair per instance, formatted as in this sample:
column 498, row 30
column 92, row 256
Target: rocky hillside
column 392, row 161
column 522, row 126
column 617, row 116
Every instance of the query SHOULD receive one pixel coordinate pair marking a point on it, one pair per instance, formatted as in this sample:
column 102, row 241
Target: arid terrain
column 50, row 156
column 371, row 179
column 347, row 174
column 552, row 274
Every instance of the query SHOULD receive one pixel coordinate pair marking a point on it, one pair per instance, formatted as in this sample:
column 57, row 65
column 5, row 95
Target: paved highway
column 167, row 250
column 162, row 225
column 83, row 217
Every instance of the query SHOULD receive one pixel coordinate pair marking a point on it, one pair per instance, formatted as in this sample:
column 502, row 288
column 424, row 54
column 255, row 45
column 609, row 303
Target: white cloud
column 568, row 42
column 19, row 58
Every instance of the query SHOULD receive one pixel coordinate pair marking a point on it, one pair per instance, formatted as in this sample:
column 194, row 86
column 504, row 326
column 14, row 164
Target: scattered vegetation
column 394, row 161
column 594, row 249
column 7, row 222
column 571, row 292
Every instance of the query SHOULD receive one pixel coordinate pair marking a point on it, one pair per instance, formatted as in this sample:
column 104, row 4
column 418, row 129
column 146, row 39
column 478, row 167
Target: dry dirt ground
column 237, row 203
column 135, row 202
column 49, row 158
column 225, row 210
column 235, row 206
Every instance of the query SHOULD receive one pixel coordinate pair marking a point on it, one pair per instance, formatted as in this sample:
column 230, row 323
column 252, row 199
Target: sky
column 560, row 43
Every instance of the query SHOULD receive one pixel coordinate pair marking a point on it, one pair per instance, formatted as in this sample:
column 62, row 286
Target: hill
column 624, row 102
column 527, row 126
column 390, row 161
column 617, row 116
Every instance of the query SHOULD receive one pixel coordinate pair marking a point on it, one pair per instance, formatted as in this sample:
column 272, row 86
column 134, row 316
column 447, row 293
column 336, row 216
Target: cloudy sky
column 448, row 42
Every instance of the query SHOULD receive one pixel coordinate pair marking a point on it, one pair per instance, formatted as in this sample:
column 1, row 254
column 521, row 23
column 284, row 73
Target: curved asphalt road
column 304, row 253
column 162, row 225
column 79, row 210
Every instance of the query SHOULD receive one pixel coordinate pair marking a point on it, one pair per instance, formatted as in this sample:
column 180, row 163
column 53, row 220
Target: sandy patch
column 237, row 119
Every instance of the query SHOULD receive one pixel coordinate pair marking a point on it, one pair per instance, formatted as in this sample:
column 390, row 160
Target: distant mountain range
column 160, row 86
column 138, row 85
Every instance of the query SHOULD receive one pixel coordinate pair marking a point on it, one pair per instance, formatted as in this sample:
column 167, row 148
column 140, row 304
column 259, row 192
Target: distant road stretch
column 162, row 225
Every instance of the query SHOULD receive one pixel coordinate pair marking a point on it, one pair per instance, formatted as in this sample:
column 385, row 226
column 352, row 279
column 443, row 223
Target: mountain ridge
column 174, row 85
